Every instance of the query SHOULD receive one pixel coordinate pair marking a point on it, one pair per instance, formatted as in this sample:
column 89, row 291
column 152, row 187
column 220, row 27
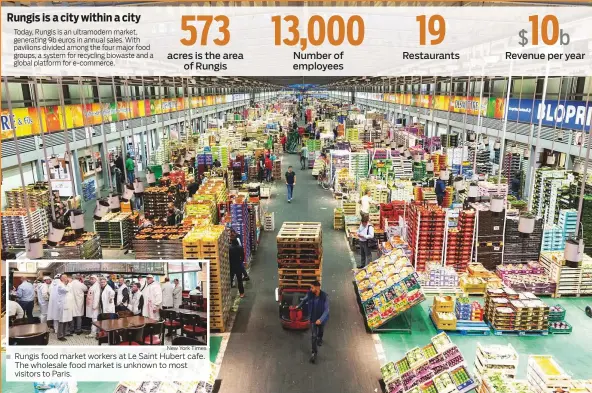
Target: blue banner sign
column 563, row 114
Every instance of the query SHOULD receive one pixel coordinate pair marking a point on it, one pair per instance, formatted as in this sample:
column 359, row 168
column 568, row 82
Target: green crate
column 561, row 331
column 557, row 315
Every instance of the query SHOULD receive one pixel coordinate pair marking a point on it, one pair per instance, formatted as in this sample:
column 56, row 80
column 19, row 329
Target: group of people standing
column 62, row 302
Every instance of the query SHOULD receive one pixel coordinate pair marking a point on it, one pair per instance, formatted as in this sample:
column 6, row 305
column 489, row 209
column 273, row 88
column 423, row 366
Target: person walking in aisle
column 303, row 157
column 130, row 167
column 283, row 141
column 290, row 183
column 167, row 294
column 440, row 191
column 268, row 168
column 237, row 257
column 318, row 312
column 43, row 298
column 25, row 293
column 78, row 290
column 365, row 233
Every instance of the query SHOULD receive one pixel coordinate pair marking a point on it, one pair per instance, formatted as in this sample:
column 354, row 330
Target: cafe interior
column 185, row 323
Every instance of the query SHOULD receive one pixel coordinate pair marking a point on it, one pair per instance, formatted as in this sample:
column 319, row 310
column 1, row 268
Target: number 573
column 190, row 23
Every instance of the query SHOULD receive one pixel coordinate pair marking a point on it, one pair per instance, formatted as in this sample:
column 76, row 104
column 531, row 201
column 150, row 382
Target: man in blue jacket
column 318, row 311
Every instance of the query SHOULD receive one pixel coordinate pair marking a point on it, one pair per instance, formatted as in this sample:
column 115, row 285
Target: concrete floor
column 263, row 357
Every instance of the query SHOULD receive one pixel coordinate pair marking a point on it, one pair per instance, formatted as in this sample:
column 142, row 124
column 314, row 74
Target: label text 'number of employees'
column 198, row 27
column 335, row 30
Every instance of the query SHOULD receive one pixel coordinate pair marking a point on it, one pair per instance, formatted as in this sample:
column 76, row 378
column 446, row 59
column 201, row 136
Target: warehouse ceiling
column 245, row 84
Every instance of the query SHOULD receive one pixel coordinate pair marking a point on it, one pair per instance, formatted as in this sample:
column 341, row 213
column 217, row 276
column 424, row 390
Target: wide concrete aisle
column 263, row 357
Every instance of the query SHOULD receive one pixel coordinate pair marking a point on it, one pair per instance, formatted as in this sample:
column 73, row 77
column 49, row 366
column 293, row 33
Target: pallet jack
column 589, row 311
column 291, row 317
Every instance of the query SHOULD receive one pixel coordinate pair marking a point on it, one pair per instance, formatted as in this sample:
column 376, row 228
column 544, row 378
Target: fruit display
column 508, row 310
column 116, row 229
column 441, row 342
column 438, row 276
column 426, row 228
column 496, row 359
column 436, row 368
column 75, row 246
column 16, row 226
column 461, row 378
column 444, row 383
column 388, row 287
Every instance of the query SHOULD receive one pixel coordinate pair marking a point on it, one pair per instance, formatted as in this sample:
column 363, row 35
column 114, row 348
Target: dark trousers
column 239, row 280
column 317, row 335
column 365, row 254
column 28, row 309
column 440, row 199
column 76, row 325
column 303, row 162
column 63, row 329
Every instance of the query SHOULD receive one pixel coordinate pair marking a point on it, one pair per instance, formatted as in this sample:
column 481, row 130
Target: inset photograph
column 108, row 303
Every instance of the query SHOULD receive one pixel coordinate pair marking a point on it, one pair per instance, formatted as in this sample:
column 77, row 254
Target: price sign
column 198, row 26
column 335, row 30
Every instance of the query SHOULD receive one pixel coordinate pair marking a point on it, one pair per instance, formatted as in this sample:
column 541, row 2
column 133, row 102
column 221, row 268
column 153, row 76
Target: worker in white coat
column 78, row 290
column 152, row 298
column 92, row 304
column 177, row 294
column 60, row 308
column 52, row 322
column 167, row 294
column 107, row 299
column 43, row 298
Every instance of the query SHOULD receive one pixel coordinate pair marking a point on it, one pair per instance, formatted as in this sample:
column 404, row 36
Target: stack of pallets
column 300, row 254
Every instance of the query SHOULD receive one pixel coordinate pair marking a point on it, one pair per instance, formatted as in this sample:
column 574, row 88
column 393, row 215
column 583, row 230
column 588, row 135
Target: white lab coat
column 152, row 300
column 15, row 310
column 78, row 290
column 134, row 303
column 177, row 296
column 108, row 299
column 43, row 297
column 68, row 313
column 59, row 307
column 92, row 301
column 167, row 294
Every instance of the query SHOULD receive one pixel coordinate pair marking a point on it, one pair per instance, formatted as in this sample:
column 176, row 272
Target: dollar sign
column 522, row 35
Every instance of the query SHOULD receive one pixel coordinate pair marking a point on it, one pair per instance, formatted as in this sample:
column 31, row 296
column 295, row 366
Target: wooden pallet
column 298, row 246
column 466, row 328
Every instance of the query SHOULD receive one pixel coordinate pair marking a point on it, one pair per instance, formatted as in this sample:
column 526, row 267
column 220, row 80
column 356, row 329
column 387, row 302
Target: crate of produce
column 556, row 313
column 443, row 304
column 560, row 327
column 444, row 320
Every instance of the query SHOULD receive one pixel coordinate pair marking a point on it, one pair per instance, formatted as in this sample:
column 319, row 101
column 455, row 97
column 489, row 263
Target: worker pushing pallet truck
column 300, row 263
